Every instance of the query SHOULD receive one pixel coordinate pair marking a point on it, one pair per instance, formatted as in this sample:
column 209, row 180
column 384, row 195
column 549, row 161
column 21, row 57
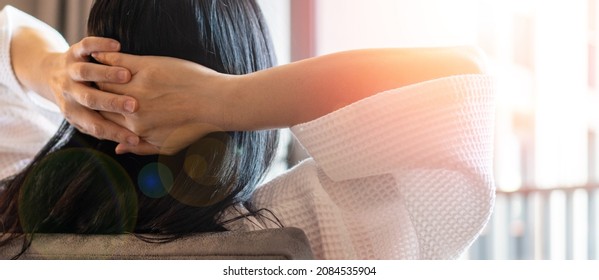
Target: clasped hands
column 149, row 105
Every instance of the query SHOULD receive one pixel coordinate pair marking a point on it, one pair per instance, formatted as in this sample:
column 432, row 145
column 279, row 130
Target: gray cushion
column 272, row 244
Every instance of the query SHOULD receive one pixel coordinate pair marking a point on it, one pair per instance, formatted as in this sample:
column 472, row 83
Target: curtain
column 69, row 17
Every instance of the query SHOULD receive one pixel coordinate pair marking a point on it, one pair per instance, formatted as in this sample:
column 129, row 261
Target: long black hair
column 77, row 184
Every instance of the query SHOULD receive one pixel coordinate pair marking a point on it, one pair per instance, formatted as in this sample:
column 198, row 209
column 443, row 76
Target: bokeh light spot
column 155, row 180
column 195, row 166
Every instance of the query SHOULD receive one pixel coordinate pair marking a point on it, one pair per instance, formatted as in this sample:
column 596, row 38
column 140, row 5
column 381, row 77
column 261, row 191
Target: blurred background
column 544, row 55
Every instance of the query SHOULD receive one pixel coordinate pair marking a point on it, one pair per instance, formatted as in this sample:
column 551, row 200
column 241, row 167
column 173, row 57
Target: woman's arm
column 303, row 91
column 181, row 101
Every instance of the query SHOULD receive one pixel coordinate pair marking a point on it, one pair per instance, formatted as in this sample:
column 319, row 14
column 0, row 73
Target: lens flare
column 54, row 198
column 155, row 180
column 202, row 164
column 195, row 166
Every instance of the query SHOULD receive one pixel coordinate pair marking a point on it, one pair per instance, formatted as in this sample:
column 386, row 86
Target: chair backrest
column 271, row 244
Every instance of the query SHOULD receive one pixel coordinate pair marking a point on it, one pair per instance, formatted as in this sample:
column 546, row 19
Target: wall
column 277, row 15
column 352, row 24
column 67, row 16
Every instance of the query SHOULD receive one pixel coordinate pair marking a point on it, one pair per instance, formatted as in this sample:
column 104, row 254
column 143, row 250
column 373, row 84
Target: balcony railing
column 535, row 223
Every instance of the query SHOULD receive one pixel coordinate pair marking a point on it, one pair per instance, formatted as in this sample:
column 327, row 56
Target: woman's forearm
column 181, row 101
column 303, row 91
column 30, row 55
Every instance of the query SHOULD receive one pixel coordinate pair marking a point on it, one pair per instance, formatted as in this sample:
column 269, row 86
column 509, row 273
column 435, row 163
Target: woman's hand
column 179, row 102
column 66, row 78
column 71, row 77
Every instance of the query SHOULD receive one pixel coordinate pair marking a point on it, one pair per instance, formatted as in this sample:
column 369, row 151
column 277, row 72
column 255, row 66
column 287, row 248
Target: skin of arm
column 303, row 91
column 41, row 65
column 181, row 101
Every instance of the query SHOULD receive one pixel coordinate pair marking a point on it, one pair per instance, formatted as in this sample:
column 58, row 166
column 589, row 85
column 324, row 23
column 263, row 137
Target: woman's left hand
column 66, row 78
column 71, row 78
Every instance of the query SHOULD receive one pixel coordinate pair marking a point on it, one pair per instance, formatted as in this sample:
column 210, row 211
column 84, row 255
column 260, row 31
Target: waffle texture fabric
column 27, row 120
column 404, row 174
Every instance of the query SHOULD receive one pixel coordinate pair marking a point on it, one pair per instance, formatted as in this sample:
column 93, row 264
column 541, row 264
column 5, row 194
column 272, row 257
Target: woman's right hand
column 179, row 102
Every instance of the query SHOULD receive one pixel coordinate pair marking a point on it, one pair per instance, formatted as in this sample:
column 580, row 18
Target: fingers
column 115, row 118
column 90, row 72
column 92, row 123
column 81, row 71
column 140, row 148
column 101, row 101
column 131, row 62
column 90, row 45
